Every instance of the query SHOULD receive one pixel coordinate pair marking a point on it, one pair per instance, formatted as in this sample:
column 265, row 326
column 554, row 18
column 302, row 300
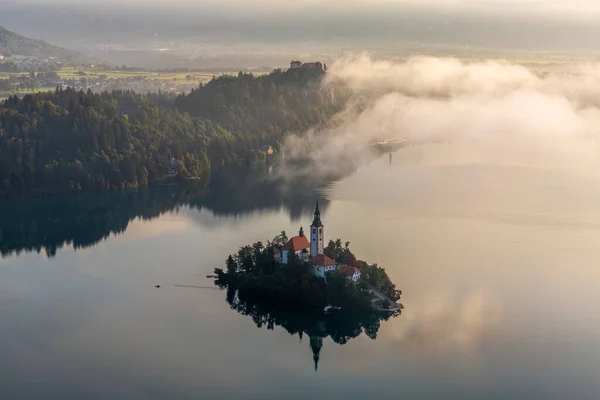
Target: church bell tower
column 316, row 234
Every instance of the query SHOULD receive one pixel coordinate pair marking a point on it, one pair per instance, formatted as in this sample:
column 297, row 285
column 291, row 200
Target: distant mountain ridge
column 13, row 44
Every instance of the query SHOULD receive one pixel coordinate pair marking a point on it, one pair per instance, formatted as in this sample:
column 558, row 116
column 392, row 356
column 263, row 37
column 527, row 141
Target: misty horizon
column 315, row 27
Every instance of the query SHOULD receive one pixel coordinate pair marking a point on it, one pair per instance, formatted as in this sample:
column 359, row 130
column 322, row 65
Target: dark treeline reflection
column 339, row 326
column 47, row 224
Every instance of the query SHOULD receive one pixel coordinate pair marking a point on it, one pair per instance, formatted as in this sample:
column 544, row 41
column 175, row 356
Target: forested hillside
column 263, row 109
column 71, row 141
column 13, row 44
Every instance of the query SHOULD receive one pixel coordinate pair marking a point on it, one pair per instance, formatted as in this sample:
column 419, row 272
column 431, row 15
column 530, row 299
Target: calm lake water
column 499, row 268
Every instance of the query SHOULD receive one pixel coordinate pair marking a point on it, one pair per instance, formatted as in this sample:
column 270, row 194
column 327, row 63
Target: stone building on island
column 298, row 245
column 313, row 251
column 352, row 273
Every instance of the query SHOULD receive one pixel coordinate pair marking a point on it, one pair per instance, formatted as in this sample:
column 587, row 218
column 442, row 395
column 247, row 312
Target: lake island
column 303, row 272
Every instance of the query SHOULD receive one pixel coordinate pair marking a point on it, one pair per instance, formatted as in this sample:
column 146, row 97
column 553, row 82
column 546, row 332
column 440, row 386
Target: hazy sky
column 490, row 24
column 581, row 7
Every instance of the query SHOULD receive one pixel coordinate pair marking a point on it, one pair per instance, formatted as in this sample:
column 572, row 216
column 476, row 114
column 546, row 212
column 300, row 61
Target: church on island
column 312, row 251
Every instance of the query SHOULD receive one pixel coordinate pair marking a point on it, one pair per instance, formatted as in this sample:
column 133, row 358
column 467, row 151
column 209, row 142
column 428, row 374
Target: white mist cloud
column 490, row 112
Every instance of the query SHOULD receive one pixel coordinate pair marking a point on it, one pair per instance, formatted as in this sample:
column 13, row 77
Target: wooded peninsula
column 71, row 141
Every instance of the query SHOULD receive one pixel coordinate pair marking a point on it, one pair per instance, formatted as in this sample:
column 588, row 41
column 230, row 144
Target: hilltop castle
column 295, row 64
column 313, row 251
column 316, row 71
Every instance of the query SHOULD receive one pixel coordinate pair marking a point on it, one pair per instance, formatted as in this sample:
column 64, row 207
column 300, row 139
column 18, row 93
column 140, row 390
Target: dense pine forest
column 70, row 141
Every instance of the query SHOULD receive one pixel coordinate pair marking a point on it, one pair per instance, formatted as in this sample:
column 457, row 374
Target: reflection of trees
column 340, row 327
column 49, row 223
column 234, row 193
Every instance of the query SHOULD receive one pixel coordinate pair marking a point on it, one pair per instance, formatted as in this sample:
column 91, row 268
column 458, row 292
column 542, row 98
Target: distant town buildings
column 31, row 73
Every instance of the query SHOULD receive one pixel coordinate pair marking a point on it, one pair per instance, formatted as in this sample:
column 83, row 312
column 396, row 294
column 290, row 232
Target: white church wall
column 284, row 257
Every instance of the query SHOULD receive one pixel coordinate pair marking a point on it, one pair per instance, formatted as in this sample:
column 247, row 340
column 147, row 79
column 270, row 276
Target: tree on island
column 280, row 240
column 371, row 273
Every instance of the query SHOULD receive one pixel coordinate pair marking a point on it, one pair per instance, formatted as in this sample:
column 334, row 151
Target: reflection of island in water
column 339, row 326
column 47, row 224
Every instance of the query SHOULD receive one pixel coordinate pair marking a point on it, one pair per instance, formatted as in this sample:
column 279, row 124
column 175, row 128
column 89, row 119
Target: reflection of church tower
column 316, row 234
column 316, row 343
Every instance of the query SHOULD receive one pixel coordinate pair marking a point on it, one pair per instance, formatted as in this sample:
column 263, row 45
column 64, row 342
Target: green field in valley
column 95, row 73
column 73, row 73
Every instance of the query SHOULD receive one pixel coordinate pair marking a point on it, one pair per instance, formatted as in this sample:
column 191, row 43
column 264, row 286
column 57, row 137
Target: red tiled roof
column 348, row 270
column 297, row 243
column 323, row 261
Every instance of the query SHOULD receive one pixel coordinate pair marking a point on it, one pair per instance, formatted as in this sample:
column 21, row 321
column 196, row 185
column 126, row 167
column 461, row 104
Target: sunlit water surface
column 499, row 268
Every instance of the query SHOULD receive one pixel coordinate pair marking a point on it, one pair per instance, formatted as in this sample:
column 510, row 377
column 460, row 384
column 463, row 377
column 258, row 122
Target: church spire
column 316, row 343
column 317, row 218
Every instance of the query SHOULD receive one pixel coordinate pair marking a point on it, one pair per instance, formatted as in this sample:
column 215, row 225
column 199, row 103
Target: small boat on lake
column 329, row 309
